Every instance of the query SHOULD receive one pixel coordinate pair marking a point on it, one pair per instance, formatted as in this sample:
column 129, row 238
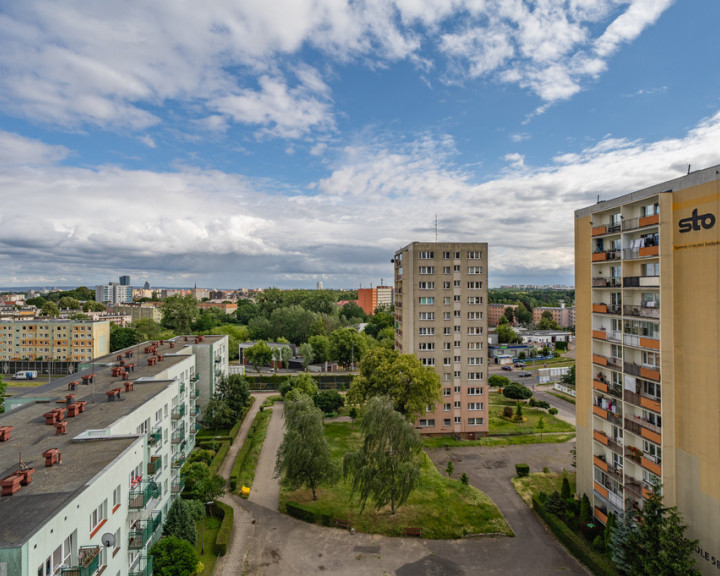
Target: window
column 475, row 421
column 457, row 389
column 456, row 268
column 457, row 329
column 475, row 270
column 475, row 330
column 427, row 422
column 446, row 285
column 475, row 391
column 457, row 255
column 426, row 255
column 474, row 316
column 446, row 315
column 652, row 418
column 475, row 375
column 446, row 391
column 652, row 451
column 60, row 557
column 456, row 359
column 446, row 407
column 474, row 285
column 446, row 422
column 651, row 389
column 426, row 285
column 456, row 298
column 428, row 361
column 456, row 283
column 475, row 361
column 651, row 269
column 446, row 361
column 446, row 300
column 651, row 209
column 116, row 497
column 447, row 331
column 426, row 300
column 446, row 377
column 426, row 331
column 98, row 515
column 475, row 346
column 457, row 313
column 474, row 255
column 456, row 343
column 446, row 345
column 457, row 420
column 475, row 405
column 446, row 269
column 446, row 255
column 457, row 374
column 426, row 346
column 427, row 315
column 426, row 270
column 458, row 404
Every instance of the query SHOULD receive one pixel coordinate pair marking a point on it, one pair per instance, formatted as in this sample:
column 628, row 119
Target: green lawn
column 506, row 440
column 532, row 416
column 537, row 482
column 248, row 455
column 443, row 507
column 212, row 525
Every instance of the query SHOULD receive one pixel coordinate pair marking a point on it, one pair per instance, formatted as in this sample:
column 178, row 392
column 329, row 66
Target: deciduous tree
column 347, row 346
column 307, row 354
column 179, row 313
column 387, row 467
column 174, row 557
column 259, row 354
column 179, row 522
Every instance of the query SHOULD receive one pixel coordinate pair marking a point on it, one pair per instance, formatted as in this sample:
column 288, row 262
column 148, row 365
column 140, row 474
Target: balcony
column 155, row 436
column 651, row 463
column 599, row 334
column 88, row 562
column 649, row 309
column 612, row 413
column 143, row 568
column 644, row 429
column 641, row 282
column 197, row 392
column 600, row 515
column 607, row 361
column 155, row 465
column 179, row 435
column 634, row 487
column 641, row 342
column 606, row 309
column 195, row 377
column 634, row 223
column 601, row 437
column 601, row 282
column 182, row 387
column 140, row 534
column 178, row 486
column 141, row 495
column 178, row 460
column 643, row 401
column 643, row 252
column 600, row 463
column 604, row 256
column 646, row 372
column 178, row 411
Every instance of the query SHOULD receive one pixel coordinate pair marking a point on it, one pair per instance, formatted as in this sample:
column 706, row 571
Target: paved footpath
column 266, row 487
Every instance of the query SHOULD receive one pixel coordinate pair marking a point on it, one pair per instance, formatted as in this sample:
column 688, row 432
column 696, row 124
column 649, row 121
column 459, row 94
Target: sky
column 262, row 143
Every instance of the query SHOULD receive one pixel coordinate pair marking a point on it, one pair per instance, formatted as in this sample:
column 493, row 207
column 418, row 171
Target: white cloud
column 16, row 150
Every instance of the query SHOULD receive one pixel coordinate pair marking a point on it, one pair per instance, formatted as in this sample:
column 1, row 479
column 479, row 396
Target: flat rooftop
column 53, row 487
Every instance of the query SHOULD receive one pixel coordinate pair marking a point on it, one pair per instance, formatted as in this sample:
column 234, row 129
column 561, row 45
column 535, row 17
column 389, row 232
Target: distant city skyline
column 284, row 145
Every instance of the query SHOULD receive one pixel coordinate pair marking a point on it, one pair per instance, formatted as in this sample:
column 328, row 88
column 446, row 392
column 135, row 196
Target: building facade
column 114, row 293
column 67, row 340
column 441, row 316
column 497, row 311
column 647, row 281
column 565, row 317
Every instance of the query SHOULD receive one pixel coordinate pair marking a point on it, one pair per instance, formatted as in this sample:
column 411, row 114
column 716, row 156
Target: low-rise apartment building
column 66, row 340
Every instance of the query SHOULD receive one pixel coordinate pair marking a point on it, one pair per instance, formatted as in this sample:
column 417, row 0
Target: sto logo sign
column 697, row 222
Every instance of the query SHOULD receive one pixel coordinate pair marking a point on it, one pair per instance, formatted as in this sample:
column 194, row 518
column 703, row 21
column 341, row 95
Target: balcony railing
column 644, row 429
column 644, row 252
column 195, row 377
column 197, row 392
column 155, row 436
column 88, row 562
column 178, row 486
column 603, row 256
column 140, row 534
column 641, row 341
column 155, row 465
column 178, row 460
column 601, row 282
column 182, row 387
column 144, row 567
column 647, row 372
column 643, row 311
column 141, row 495
column 633, row 223
column 178, row 411
column 651, row 463
column 603, row 308
column 641, row 281
column 643, row 401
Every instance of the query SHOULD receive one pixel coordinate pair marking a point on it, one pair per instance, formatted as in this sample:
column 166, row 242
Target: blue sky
column 255, row 144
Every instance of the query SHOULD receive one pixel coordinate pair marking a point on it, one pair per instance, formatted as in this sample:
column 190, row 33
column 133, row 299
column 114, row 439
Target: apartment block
column 71, row 340
column 565, row 317
column 647, row 280
column 370, row 299
column 441, row 316
column 114, row 293
column 100, row 454
column 497, row 311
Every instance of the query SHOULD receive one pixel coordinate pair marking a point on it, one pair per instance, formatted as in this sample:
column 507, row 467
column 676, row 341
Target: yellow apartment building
column 67, row 340
column 647, row 281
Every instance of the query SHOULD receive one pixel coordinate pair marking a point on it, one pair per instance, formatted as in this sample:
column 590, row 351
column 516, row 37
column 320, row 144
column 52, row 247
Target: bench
column 415, row 531
column 342, row 524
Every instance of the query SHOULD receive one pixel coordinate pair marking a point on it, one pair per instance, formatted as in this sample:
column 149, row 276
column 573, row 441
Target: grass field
column 212, row 525
column 538, row 482
column 532, row 416
column 443, row 507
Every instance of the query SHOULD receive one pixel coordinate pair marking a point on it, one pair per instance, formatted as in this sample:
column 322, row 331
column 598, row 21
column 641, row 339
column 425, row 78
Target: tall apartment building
column 114, row 293
column 565, row 317
column 441, row 316
column 98, row 473
column 67, row 340
column 647, row 281
column 370, row 299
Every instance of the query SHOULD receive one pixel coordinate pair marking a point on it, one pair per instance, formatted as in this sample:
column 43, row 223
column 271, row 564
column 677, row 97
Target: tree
column 218, row 415
column 286, row 354
column 92, row 306
column 379, row 321
column 547, row 322
column 50, row 309
column 450, row 469
column 179, row 313
column 519, row 413
column 303, row 458
column 347, row 346
column 509, row 313
column 522, row 314
column 293, row 322
column 585, row 509
column 196, row 509
column 569, row 378
column 506, row 335
column 498, row 381
column 179, row 522
column 553, row 412
column 147, row 329
column 401, row 377
column 321, row 348
column 620, row 540
column 516, row 391
column 235, row 391
column 79, row 316
column 259, row 354
column 387, row 467
column 122, row 337
column 174, row 557
column 503, row 320
column 565, row 489
column 68, row 303
column 329, row 401
column 352, row 313
column 307, row 355
column 304, row 383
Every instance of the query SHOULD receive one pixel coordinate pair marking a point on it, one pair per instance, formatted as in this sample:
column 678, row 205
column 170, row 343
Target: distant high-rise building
column 124, row 280
column 319, row 285
column 647, row 339
column 114, row 293
column 441, row 317
column 370, row 299
column 146, row 285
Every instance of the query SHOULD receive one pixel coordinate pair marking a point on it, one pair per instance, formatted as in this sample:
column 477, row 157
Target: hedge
column 324, row 381
column 220, row 456
column 575, row 543
column 222, row 540
column 235, row 429
column 522, row 470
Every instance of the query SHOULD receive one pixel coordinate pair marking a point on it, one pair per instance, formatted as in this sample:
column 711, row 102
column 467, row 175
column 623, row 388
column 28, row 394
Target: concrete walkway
column 266, row 487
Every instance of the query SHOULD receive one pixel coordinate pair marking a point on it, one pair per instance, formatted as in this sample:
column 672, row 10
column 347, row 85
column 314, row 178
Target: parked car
column 525, row 374
column 519, row 365
column 508, row 368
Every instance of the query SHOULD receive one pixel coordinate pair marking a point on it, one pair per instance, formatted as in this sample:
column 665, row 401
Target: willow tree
column 387, row 468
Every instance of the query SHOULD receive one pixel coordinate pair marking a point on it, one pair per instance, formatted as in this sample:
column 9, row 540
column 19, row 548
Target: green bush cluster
column 522, row 470
column 223, row 536
column 274, row 381
column 301, row 513
column 533, row 403
column 235, row 429
column 220, row 456
column 575, row 543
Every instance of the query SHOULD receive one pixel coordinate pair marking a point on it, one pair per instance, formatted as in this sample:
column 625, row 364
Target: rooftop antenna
column 436, row 228
column 688, row 168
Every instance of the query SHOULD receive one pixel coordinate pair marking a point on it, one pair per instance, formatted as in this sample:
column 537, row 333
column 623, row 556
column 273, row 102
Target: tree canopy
column 347, row 346
column 179, row 522
column 174, row 556
column 179, row 313
column 401, row 377
column 506, row 335
column 259, row 354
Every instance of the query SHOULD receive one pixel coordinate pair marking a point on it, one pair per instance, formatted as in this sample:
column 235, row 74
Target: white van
column 25, row 375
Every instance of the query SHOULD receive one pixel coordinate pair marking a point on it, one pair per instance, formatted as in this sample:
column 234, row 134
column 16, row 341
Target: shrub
column 328, row 401
column 508, row 412
column 223, row 536
column 522, row 470
column 532, row 402
column 220, row 456
column 518, row 413
column 556, row 504
column 464, row 479
column 201, row 455
column 565, row 490
column 585, row 509
column 516, row 391
column 599, row 543
column 542, row 404
column 297, row 511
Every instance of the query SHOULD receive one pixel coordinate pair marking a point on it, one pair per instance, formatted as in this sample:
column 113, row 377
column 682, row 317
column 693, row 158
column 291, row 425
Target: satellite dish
column 108, row 539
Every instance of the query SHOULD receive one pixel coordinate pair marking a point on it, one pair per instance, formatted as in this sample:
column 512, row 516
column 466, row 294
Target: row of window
column 471, row 390
column 458, row 374
column 471, row 255
column 471, row 331
column 430, row 300
column 430, row 422
column 446, row 269
column 457, row 405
